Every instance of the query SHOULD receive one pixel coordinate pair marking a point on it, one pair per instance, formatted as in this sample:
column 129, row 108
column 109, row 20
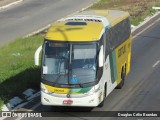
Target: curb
column 38, row 31
column 10, row 4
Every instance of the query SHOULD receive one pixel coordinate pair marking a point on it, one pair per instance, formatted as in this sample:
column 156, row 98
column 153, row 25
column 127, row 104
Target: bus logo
column 68, row 95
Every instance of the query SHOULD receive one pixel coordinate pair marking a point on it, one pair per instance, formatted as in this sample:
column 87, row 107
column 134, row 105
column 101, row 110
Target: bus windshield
column 69, row 63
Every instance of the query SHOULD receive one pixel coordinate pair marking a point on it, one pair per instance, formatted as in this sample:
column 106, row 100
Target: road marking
column 156, row 63
column 145, row 29
column 10, row 4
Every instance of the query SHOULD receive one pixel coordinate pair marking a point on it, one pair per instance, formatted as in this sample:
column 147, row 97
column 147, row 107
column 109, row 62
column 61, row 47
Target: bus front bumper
column 88, row 100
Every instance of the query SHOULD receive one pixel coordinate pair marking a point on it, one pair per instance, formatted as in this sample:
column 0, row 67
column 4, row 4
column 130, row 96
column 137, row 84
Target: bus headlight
column 93, row 90
column 46, row 91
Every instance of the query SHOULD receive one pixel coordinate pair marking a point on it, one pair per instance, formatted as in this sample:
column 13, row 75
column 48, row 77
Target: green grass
column 99, row 4
column 17, row 71
column 136, row 21
column 1, row 103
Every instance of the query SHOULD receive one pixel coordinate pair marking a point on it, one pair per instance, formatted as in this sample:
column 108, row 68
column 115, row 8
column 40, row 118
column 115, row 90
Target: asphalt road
column 30, row 15
column 142, row 85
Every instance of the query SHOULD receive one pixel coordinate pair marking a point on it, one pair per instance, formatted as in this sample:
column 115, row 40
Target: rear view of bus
column 81, row 64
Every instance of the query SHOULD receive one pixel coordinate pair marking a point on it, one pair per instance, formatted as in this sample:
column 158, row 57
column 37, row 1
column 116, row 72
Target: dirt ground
column 5, row 2
column 135, row 7
column 138, row 9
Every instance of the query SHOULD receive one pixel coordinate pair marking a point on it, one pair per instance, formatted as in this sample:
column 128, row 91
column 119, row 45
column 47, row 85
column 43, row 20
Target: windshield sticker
column 74, row 79
column 45, row 70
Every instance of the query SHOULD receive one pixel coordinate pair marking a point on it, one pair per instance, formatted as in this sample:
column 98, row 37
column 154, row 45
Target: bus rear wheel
column 121, row 84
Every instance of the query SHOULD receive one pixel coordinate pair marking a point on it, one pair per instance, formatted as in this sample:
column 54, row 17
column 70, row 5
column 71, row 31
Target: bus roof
column 84, row 26
column 62, row 32
column 113, row 16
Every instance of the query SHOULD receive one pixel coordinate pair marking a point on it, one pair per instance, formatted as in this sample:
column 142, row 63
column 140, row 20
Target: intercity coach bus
column 84, row 57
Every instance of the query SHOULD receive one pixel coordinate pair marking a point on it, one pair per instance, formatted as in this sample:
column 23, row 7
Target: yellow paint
column 57, row 90
column 61, row 32
column 129, row 55
column 104, row 12
column 125, row 58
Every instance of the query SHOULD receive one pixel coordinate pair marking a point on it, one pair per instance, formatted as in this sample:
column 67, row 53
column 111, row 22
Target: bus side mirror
column 36, row 56
column 101, row 57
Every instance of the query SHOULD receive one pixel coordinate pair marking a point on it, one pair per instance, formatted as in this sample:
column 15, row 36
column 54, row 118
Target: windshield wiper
column 59, row 75
column 47, row 81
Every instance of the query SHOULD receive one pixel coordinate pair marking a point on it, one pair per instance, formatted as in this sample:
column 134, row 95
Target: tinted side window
column 118, row 34
column 107, row 46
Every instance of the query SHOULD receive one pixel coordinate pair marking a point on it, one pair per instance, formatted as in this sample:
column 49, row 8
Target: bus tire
column 104, row 96
column 121, row 84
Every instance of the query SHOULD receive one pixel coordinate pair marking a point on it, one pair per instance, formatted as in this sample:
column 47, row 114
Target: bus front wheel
column 104, row 96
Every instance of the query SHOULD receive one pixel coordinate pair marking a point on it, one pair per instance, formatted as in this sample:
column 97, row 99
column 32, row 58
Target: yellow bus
column 85, row 56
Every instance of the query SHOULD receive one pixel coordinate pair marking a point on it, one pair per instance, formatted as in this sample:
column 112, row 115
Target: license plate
column 68, row 102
